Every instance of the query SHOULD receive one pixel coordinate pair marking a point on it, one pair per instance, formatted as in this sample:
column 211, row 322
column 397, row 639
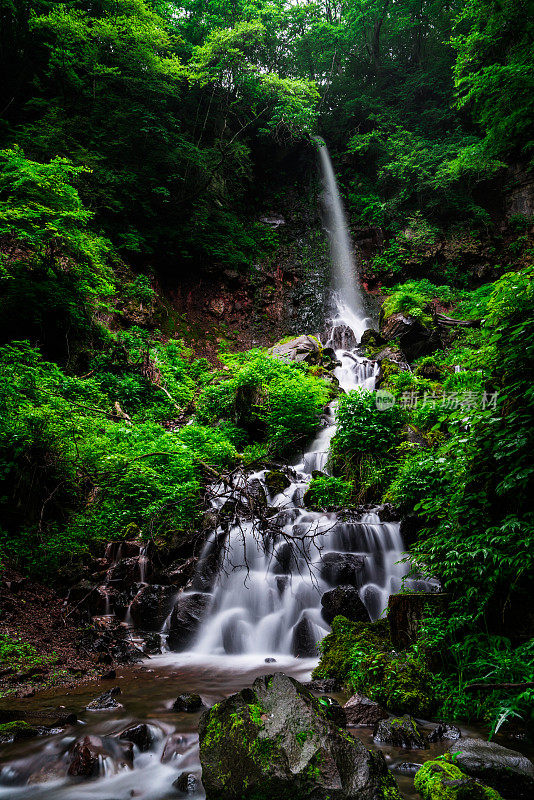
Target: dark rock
column 105, row 701
column 342, row 569
column 410, row 527
column 47, row 719
column 284, row 559
column 406, row 611
column 208, row 565
column 152, row 645
column 85, row 757
column 444, row 731
column 406, row 768
column 151, row 606
column 323, row 685
column 256, row 495
column 282, row 582
column 400, row 732
column 360, row 710
column 180, row 573
column 304, row 640
column 275, row 740
column 270, row 660
column 190, row 703
column 140, row 735
column 372, row 338
column 334, row 711
column 388, row 513
column 85, row 596
column 185, row 618
column 126, row 571
column 343, row 601
column 176, row 745
column 342, row 337
column 188, row 783
column 16, row 731
column 415, row 340
column 509, row 772
column 110, row 675
column 276, row 482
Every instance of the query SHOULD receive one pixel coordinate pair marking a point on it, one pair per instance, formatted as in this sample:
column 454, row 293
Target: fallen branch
column 525, row 685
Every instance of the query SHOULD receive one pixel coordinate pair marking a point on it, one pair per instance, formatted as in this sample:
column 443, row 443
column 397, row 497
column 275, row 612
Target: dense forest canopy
column 140, row 143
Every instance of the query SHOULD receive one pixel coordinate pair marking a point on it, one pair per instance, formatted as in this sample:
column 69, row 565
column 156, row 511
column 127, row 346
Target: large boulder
column 440, row 780
column 400, row 732
column 360, row 710
column 276, row 481
column 414, row 338
column 151, row 606
column 342, row 569
column 208, row 565
column 185, row 619
column 343, row 601
column 304, row 640
column 509, row 772
column 276, row 741
column 302, row 348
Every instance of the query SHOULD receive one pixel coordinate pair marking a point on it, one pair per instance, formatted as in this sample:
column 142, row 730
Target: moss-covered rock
column 18, row 729
column 338, row 646
column 276, row 482
column 442, row 780
column 276, row 740
column 400, row 732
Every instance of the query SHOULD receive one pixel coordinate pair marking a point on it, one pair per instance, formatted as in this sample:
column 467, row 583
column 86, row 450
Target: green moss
column 338, row 646
column 18, row 729
column 441, row 780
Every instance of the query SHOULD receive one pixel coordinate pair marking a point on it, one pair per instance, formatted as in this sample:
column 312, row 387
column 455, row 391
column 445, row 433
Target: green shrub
column 328, row 492
column 363, row 428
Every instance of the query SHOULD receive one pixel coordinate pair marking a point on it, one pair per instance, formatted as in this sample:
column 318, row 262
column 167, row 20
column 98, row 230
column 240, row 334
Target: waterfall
column 346, row 286
column 266, row 596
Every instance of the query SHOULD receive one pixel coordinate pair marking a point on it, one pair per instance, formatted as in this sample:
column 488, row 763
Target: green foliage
column 273, row 401
column 338, row 646
column 328, row 492
column 20, row 655
column 363, row 428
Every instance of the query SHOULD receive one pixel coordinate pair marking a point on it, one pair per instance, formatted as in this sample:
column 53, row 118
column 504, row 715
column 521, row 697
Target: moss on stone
column 18, row 729
column 442, row 780
column 338, row 646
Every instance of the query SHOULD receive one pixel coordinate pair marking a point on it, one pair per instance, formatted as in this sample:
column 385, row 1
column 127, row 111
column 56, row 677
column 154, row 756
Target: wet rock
column 439, row 779
column 110, row 675
column 343, row 338
column 256, row 495
column 140, row 735
column 372, row 338
column 190, row 703
column 276, row 482
column 185, row 618
column 208, row 564
column 323, row 685
column 85, row 596
column 444, row 731
column 304, row 640
column 85, row 757
column 188, row 783
column 360, row 710
column 152, row 644
column 38, row 719
column 334, row 711
column 509, row 772
column 343, row 601
column 270, row 660
column 126, row 571
column 106, row 700
column 285, row 746
column 16, row 731
column 400, row 732
column 151, row 606
column 302, row 348
column 180, row 573
column 284, row 559
column 282, row 582
column 342, row 569
column 415, row 339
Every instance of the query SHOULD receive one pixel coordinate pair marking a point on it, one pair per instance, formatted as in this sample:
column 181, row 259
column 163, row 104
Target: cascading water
column 267, row 595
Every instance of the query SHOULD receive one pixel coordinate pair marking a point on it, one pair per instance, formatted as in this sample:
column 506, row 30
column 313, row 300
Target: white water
column 267, row 596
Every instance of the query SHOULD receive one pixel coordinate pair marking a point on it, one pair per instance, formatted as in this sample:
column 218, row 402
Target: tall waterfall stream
column 264, row 601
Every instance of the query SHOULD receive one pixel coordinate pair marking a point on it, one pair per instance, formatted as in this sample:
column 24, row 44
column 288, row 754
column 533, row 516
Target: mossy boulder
column 507, row 771
column 400, row 732
column 276, row 740
column 276, row 482
column 441, row 780
column 16, row 730
column 338, row 646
